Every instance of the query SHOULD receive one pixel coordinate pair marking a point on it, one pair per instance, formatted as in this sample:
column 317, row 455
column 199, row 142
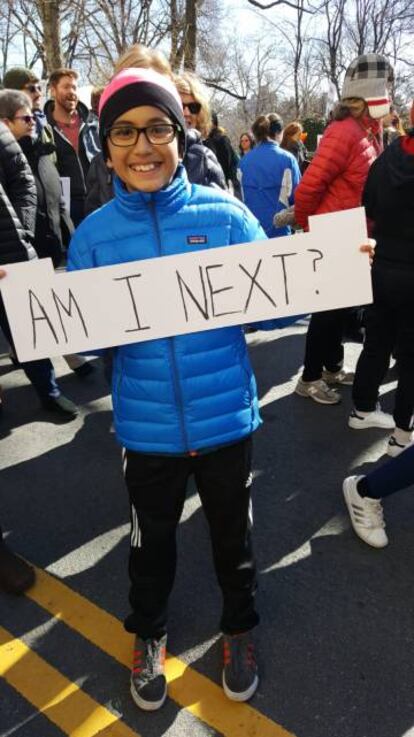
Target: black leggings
column 324, row 347
column 389, row 327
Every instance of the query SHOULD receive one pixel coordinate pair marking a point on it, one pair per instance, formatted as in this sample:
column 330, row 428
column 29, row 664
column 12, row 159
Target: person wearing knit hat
column 185, row 405
column 20, row 78
column 25, row 80
column 335, row 181
column 142, row 128
column 135, row 87
column 369, row 77
column 199, row 161
column 17, row 78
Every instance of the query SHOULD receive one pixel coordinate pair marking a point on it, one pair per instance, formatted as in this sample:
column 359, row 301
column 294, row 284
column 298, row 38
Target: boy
column 183, row 405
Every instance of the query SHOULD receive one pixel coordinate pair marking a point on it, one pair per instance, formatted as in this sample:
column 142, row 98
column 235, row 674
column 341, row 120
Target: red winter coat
column 335, row 179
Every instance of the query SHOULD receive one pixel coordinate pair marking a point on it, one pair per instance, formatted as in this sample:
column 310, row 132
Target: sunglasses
column 33, row 88
column 193, row 107
column 27, row 118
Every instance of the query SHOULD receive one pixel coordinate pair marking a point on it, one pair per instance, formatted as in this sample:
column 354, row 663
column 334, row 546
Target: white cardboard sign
column 52, row 314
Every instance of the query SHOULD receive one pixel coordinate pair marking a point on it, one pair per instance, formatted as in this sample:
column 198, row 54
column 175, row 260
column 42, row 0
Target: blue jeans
column 391, row 477
column 41, row 374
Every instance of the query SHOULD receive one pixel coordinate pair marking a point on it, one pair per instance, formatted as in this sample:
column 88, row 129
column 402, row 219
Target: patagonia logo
column 196, row 240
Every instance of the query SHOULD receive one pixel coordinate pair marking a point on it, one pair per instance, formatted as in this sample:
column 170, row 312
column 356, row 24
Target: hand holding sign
column 369, row 248
column 52, row 314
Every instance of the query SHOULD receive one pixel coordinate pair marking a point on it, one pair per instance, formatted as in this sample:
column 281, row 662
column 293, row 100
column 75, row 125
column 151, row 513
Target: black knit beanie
column 136, row 87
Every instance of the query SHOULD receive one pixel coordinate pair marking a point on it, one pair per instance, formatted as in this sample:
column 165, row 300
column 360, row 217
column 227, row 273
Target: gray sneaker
column 61, row 406
column 148, row 682
column 240, row 679
column 317, row 390
column 343, row 376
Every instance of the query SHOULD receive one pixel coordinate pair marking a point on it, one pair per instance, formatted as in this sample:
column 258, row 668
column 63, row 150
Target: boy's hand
column 2, row 273
column 369, row 247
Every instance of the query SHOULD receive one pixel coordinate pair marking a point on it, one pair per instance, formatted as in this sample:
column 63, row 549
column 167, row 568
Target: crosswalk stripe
column 61, row 701
column 188, row 688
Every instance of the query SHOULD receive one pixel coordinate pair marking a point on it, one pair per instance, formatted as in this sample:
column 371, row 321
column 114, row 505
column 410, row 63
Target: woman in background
column 200, row 161
column 269, row 175
column 292, row 142
column 246, row 143
column 335, row 181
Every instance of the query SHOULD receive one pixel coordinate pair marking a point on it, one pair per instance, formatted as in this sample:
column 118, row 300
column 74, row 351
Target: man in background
column 76, row 137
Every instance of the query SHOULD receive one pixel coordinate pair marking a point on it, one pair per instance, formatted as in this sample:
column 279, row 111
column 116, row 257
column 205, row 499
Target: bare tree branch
column 273, row 4
column 219, row 87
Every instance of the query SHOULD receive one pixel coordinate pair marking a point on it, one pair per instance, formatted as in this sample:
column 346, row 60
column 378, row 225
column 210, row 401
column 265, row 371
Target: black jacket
column 201, row 162
column 98, row 185
column 69, row 162
column 201, row 165
column 227, row 157
column 388, row 198
column 17, row 201
column 298, row 150
column 53, row 224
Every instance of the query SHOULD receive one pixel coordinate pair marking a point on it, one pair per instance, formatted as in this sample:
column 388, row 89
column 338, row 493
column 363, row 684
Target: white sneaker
column 394, row 449
column 366, row 514
column 344, row 376
column 317, row 390
column 376, row 418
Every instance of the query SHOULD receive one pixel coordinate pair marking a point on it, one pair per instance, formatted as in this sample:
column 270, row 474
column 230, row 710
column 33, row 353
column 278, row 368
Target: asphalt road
column 336, row 642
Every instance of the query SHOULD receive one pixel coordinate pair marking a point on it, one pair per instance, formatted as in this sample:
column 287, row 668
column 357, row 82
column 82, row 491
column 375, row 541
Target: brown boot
column 16, row 576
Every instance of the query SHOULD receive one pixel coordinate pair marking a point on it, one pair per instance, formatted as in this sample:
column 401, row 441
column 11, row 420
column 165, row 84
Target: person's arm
column 98, row 185
column 329, row 162
column 14, row 244
column 370, row 193
column 214, row 171
column 295, row 179
column 233, row 159
column 18, row 181
column 66, row 225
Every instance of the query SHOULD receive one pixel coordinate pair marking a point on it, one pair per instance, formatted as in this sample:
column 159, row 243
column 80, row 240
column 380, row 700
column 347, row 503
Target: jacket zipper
column 171, row 344
column 62, row 135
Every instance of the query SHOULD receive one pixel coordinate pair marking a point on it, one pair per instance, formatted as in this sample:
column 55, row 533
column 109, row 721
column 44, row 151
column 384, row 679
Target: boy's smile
column 144, row 166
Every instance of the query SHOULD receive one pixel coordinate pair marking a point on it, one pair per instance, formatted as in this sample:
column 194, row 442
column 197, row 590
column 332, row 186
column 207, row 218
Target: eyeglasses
column 157, row 134
column 27, row 118
column 193, row 107
column 33, row 88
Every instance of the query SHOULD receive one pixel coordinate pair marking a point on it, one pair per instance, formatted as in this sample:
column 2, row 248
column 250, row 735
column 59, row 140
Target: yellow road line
column 188, row 688
column 62, row 702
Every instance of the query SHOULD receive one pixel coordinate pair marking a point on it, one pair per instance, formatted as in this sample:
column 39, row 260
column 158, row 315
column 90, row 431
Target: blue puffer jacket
column 190, row 392
column 269, row 177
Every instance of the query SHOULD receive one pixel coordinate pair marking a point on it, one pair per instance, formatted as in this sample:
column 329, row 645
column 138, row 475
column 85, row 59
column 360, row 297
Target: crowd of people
column 149, row 166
